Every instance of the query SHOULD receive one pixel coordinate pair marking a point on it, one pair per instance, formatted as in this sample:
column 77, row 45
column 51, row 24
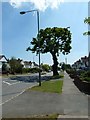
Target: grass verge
column 40, row 117
column 49, row 86
column 61, row 75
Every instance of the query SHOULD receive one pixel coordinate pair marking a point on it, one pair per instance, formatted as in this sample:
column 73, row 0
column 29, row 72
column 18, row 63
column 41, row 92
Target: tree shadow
column 28, row 78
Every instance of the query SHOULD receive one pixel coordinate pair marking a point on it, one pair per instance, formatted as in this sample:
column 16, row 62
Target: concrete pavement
column 75, row 103
column 33, row 103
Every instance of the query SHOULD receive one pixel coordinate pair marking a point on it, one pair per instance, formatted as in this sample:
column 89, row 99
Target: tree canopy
column 87, row 20
column 54, row 40
column 15, row 65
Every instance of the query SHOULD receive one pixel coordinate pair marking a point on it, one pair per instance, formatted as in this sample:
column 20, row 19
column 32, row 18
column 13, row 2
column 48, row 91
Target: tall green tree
column 87, row 21
column 54, row 40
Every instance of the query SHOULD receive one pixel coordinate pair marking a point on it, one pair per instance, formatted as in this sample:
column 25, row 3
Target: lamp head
column 68, row 27
column 23, row 12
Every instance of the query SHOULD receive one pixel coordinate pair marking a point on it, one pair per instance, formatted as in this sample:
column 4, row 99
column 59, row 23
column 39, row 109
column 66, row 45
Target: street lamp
column 24, row 12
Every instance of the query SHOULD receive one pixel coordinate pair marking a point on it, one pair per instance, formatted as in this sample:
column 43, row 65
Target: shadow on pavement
column 30, row 78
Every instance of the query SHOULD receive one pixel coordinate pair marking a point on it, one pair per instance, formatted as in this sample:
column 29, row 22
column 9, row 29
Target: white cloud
column 41, row 4
column 38, row 4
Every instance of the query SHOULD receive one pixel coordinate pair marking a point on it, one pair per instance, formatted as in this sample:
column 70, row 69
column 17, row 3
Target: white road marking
column 15, row 83
column 10, row 83
column 12, row 98
column 18, row 94
column 6, row 83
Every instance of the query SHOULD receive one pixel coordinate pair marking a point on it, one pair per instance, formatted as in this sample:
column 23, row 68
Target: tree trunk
column 55, row 65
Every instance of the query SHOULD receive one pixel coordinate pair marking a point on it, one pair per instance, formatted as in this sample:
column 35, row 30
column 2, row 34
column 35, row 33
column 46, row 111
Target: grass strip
column 39, row 117
column 53, row 86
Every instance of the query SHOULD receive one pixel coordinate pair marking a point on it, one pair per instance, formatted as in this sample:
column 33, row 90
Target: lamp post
column 24, row 12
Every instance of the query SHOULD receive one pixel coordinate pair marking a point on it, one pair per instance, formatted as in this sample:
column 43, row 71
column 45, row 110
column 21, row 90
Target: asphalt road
column 14, row 86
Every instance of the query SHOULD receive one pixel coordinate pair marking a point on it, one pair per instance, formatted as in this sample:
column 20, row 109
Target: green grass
column 39, row 117
column 49, row 86
column 61, row 75
column 57, row 76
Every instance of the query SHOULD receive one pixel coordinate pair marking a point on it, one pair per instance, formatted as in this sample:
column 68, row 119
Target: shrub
column 15, row 65
column 85, row 76
column 87, row 79
column 45, row 67
column 30, row 70
column 71, row 71
column 5, row 68
column 25, row 70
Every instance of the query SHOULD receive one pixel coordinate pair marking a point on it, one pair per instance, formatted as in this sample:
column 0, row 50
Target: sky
column 18, row 30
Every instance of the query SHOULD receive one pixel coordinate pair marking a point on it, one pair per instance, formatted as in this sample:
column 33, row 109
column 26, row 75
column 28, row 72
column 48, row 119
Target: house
column 82, row 63
column 29, row 64
column 34, row 65
column 3, row 59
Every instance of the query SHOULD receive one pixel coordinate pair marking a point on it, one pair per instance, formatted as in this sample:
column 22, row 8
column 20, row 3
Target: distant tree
column 4, row 67
column 68, row 66
column 15, row 65
column 45, row 67
column 63, row 67
column 54, row 40
column 12, row 63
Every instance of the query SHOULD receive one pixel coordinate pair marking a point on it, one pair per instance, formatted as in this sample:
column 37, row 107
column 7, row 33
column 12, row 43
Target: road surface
column 14, row 86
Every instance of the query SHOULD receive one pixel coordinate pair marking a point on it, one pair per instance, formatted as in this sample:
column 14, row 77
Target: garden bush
column 31, row 70
column 85, row 76
column 25, row 70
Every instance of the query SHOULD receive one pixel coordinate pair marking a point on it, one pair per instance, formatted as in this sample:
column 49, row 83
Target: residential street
column 45, row 59
column 70, row 102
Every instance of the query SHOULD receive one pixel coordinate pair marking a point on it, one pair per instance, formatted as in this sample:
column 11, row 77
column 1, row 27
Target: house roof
column 35, row 64
column 3, row 56
column 84, row 59
column 27, row 62
column 30, row 63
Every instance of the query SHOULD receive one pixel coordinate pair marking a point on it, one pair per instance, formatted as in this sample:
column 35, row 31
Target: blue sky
column 18, row 30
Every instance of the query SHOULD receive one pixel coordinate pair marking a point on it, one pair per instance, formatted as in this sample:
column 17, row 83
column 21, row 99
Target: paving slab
column 68, row 117
column 75, row 103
